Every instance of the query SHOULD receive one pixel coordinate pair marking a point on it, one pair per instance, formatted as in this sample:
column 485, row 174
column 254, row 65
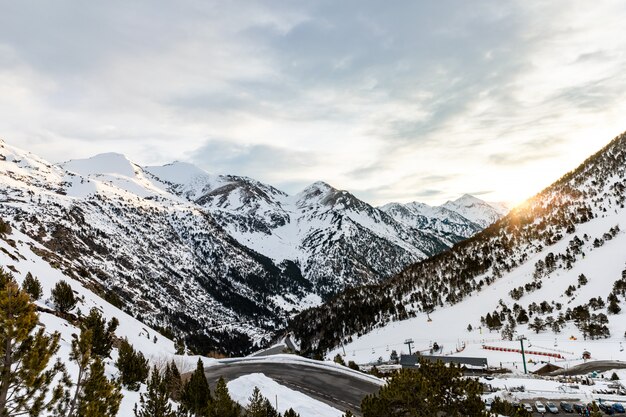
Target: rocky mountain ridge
column 221, row 259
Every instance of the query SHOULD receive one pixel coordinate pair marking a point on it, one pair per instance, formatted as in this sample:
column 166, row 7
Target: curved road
column 585, row 368
column 333, row 387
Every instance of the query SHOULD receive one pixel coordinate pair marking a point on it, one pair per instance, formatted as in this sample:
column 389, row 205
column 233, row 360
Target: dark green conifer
column 100, row 397
column 223, row 404
column 25, row 354
column 63, row 297
column 173, row 381
column 155, row 403
column 103, row 334
column 196, row 396
column 256, row 404
column 133, row 366
column 433, row 389
column 32, row 286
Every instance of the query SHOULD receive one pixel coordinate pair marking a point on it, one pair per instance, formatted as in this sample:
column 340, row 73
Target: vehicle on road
column 579, row 408
column 552, row 408
column 528, row 407
column 567, row 407
column 606, row 409
column 619, row 408
column 540, row 407
column 488, row 403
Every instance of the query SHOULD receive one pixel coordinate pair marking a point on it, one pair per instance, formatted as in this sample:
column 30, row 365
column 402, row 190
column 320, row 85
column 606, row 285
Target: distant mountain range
column 217, row 258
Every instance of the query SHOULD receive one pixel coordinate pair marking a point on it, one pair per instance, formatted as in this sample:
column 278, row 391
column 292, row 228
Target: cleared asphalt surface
column 277, row 350
column 585, row 368
column 337, row 389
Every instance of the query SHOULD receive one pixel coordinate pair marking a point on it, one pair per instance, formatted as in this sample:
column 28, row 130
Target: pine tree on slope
column 155, row 403
column 196, row 395
column 25, row 374
column 223, row 405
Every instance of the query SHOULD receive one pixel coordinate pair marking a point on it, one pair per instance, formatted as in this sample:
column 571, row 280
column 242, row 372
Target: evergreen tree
column 133, row 366
column 270, row 411
column 259, row 406
column 507, row 332
column 352, row 364
column 81, row 354
column 196, row 395
column 394, row 358
column 522, row 317
column 173, row 381
column 537, row 325
column 613, row 307
column 432, row 389
column 32, row 286
column 223, row 405
column 25, row 374
column 338, row 359
column 155, row 403
column 103, row 334
column 93, row 393
column 348, row 413
column 291, row 413
column 100, row 397
column 63, row 297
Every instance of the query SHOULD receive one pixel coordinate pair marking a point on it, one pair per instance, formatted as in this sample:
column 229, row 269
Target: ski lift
column 373, row 351
column 555, row 343
column 387, row 348
column 353, row 353
column 621, row 347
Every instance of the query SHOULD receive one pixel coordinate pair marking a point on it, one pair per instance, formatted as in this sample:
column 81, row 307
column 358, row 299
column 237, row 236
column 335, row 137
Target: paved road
column 277, row 350
column 337, row 389
column 585, row 368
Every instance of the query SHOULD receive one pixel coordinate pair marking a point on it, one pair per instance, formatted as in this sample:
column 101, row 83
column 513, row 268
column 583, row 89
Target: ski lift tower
column 521, row 339
column 409, row 342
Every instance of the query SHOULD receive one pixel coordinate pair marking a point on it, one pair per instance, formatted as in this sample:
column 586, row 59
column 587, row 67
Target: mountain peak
column 111, row 163
column 178, row 172
column 316, row 191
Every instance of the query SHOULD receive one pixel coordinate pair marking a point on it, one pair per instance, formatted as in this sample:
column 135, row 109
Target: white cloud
column 397, row 102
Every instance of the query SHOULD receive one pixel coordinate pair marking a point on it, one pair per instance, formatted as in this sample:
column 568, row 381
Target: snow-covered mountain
column 221, row 259
column 477, row 210
column 327, row 233
column 558, row 258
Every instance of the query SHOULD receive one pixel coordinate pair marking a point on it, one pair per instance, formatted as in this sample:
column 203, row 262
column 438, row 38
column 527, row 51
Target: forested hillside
column 588, row 195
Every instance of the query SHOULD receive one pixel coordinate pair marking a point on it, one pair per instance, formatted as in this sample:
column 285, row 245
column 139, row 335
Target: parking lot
column 557, row 403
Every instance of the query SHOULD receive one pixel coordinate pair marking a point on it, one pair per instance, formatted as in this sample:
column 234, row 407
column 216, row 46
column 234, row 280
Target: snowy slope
column 18, row 254
column 242, row 387
column 602, row 266
column 576, row 226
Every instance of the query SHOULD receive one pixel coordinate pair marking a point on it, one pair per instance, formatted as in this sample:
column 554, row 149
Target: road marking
column 323, row 395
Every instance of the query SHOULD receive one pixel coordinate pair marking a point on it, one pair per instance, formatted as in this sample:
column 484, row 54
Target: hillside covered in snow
column 554, row 264
column 217, row 259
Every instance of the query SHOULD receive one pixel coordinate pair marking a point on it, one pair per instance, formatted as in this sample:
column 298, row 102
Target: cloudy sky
column 395, row 101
